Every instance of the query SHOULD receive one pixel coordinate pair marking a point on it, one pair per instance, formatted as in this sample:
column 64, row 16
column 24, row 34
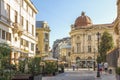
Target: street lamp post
column 98, row 37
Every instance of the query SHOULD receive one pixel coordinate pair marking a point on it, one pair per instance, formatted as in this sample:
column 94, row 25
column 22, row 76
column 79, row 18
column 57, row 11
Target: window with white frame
column 89, row 48
column 8, row 36
column 8, row 11
column 3, row 34
column 22, row 20
column 32, row 46
column 16, row 17
column 27, row 25
column 32, row 29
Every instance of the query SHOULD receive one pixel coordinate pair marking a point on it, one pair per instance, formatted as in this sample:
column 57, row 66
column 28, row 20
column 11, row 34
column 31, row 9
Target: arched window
column 89, row 58
column 77, row 59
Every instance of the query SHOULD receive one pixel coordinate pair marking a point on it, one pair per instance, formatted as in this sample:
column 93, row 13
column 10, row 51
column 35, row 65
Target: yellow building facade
column 42, row 33
column 84, row 40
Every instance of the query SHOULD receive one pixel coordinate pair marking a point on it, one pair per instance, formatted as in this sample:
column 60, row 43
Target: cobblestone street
column 80, row 75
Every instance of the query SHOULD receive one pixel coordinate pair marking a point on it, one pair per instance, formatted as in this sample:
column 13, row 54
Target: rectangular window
column 46, row 35
column 78, row 47
column 32, row 14
column 36, row 47
column 3, row 34
column 26, row 25
column 22, row 20
column 8, row 36
column 46, row 47
column 8, row 11
column 32, row 30
column 16, row 17
column 27, row 44
column 32, row 47
column 21, row 41
column 89, row 49
column 89, row 37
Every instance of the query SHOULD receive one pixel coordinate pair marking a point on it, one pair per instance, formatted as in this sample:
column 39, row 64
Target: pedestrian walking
column 106, row 67
column 73, row 67
column 100, row 68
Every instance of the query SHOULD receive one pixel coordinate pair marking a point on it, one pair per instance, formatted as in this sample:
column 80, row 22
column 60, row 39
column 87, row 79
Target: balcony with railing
column 5, row 20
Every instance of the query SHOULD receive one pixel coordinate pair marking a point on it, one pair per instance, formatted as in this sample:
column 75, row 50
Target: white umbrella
column 50, row 59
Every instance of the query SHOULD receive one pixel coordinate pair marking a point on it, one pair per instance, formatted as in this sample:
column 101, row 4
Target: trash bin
column 110, row 71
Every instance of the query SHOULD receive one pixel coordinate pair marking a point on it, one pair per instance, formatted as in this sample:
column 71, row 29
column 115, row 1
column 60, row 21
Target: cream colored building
column 17, row 27
column 84, row 40
column 43, row 34
column 117, row 28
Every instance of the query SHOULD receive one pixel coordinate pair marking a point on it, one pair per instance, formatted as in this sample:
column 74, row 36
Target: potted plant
column 118, row 73
column 50, row 68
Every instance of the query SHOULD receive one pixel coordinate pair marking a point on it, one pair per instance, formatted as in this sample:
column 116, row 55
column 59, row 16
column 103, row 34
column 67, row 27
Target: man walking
column 106, row 67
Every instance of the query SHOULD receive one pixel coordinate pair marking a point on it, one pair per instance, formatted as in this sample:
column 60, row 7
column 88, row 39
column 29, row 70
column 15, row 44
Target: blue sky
column 60, row 14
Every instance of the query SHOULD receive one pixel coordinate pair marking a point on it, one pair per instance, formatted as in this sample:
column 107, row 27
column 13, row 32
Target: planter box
column 117, row 77
column 23, row 77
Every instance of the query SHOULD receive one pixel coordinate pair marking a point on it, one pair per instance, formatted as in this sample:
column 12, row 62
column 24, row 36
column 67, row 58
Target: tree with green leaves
column 5, row 51
column 106, row 44
column 34, row 65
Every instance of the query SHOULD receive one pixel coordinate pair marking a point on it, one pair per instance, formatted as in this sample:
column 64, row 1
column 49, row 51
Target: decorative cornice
column 118, row 1
column 31, row 5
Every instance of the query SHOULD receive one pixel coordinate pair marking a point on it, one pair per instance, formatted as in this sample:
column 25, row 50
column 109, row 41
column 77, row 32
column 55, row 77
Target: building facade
column 85, row 40
column 117, row 29
column 56, row 49
column 43, row 34
column 62, row 50
column 17, row 27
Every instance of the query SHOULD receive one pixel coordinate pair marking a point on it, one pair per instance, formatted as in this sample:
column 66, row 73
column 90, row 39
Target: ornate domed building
column 83, row 20
column 84, row 40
